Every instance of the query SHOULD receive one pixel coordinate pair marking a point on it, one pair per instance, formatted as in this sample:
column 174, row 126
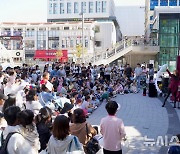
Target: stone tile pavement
column 142, row 116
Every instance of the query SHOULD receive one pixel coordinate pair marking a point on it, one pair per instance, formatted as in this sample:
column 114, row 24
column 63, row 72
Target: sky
column 36, row 10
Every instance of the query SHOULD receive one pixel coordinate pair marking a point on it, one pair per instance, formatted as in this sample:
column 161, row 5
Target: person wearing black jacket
column 44, row 126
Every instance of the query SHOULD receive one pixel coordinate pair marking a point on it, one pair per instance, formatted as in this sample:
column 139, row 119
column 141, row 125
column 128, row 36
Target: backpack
column 3, row 148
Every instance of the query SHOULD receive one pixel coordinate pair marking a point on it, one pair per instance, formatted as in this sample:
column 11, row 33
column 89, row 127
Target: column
column 178, row 2
column 12, row 40
column 23, row 40
column 35, row 38
column 158, row 2
column 47, row 45
column 168, row 2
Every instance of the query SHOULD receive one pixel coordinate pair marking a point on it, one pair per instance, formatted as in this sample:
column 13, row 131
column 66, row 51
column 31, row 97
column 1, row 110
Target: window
column 50, row 8
column 66, row 28
column 86, row 42
column 76, row 10
column 71, row 43
column 53, row 33
column 97, row 29
column 172, row 2
column 17, row 45
column 163, row 2
column 151, row 17
column 98, row 43
column 29, row 45
column 90, row 7
column 55, row 9
column 61, row 8
column 41, row 42
column 53, row 44
column 151, row 26
column 153, row 3
column 68, row 8
column 29, row 33
column 83, row 7
column 98, row 6
column 104, row 3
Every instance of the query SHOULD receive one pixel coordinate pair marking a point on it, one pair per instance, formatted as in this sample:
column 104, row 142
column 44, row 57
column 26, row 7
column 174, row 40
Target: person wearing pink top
column 112, row 129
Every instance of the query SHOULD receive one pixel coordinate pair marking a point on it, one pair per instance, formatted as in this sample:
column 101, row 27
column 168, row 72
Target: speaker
column 152, row 90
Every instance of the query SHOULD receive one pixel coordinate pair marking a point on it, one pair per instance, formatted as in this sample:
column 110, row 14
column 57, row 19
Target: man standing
column 112, row 129
column 128, row 71
column 138, row 72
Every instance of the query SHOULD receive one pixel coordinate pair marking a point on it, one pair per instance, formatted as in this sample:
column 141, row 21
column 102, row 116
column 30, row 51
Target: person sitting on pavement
column 80, row 126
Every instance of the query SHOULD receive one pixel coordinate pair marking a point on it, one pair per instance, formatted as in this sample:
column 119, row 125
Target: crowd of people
column 46, row 110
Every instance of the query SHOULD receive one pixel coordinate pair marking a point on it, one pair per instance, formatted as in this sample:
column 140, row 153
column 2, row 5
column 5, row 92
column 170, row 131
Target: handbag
column 92, row 146
column 76, row 148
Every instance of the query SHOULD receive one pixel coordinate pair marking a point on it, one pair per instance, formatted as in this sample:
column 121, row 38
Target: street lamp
column 82, row 14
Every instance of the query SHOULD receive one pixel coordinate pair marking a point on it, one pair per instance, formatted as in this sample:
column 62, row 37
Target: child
column 133, row 87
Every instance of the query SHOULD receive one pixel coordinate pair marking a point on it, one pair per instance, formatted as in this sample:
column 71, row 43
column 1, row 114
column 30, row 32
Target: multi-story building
column 70, row 10
column 31, row 39
column 92, row 10
column 167, row 26
column 162, row 23
column 149, row 12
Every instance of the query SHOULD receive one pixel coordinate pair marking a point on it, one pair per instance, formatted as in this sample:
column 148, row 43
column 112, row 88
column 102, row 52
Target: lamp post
column 82, row 14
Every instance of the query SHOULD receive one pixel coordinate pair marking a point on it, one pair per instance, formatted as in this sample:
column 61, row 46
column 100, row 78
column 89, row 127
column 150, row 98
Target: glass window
column 17, row 45
column 104, row 6
column 83, row 7
column 91, row 7
column 172, row 2
column 151, row 17
column 68, row 8
column 163, row 2
column 98, row 6
column 29, row 45
column 55, row 9
column 53, row 44
column 71, row 43
column 151, row 26
column 86, row 43
column 153, row 3
column 76, row 10
column 61, row 8
column 53, row 33
column 41, row 43
column 50, row 8
column 30, row 33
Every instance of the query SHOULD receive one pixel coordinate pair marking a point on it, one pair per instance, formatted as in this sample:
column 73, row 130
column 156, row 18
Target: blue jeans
column 138, row 80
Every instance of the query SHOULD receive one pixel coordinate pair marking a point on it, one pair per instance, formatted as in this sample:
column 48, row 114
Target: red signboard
column 62, row 55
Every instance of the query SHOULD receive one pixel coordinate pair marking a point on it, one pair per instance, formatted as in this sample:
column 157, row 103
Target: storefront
column 52, row 55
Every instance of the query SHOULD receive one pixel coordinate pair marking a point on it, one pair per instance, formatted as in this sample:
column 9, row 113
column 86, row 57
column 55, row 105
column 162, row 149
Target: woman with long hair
column 80, row 127
column 44, row 126
column 11, row 101
column 61, row 141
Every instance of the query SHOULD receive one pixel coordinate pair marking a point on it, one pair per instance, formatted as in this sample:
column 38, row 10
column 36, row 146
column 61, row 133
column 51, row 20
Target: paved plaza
column 143, row 116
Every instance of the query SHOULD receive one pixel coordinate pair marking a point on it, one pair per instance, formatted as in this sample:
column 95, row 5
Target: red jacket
column 174, row 81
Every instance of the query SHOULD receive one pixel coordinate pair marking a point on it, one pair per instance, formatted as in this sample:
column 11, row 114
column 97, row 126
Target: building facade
column 149, row 12
column 167, row 25
column 24, row 40
column 70, row 10
column 92, row 10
